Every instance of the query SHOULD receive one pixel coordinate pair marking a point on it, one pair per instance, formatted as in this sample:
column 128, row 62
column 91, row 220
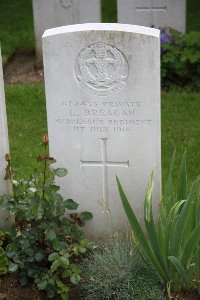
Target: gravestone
column 153, row 13
column 53, row 13
column 4, row 147
column 102, row 86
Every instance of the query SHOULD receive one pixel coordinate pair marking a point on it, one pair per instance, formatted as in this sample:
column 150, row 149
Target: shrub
column 180, row 59
column 46, row 241
column 116, row 271
column 171, row 244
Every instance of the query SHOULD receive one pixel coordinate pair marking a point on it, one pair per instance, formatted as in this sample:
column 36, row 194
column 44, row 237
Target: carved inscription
column 152, row 9
column 65, row 3
column 104, row 164
column 101, row 69
column 103, row 117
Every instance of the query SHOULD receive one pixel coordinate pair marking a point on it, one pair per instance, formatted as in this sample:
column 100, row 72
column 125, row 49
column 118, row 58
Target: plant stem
column 45, row 168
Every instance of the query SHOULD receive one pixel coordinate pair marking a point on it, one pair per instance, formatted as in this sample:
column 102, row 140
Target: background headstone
column 103, row 105
column 153, row 13
column 53, row 13
column 4, row 147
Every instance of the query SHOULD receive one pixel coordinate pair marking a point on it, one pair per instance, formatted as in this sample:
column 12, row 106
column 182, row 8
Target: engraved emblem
column 101, row 69
column 65, row 3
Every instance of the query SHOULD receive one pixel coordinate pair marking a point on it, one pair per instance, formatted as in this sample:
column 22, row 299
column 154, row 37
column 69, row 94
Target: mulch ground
column 21, row 68
column 10, row 289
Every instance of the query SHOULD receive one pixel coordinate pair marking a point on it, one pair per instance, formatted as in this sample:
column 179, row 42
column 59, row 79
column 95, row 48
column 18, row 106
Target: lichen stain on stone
column 105, row 207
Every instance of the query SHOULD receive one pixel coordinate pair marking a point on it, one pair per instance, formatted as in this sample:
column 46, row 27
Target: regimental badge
column 101, row 69
column 65, row 3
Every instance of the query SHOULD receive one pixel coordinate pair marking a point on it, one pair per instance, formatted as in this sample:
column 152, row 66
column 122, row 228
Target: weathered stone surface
column 4, row 147
column 53, row 13
column 103, row 104
column 153, row 13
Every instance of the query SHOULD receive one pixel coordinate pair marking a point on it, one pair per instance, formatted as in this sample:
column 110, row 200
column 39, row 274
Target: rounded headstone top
column 102, row 27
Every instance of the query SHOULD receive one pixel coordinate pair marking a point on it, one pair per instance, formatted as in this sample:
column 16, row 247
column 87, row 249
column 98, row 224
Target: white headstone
column 53, row 13
column 4, row 147
column 103, row 104
column 153, row 13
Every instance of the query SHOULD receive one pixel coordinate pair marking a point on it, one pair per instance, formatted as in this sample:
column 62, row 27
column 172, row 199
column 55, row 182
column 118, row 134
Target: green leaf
column 54, row 188
column 42, row 284
column 23, row 280
column 151, row 229
column 55, row 265
column 2, row 233
column 25, row 243
column 180, row 268
column 29, row 251
column 181, row 221
column 76, row 268
column 64, row 296
column 50, row 234
column 53, row 256
column 13, row 268
column 39, row 256
column 66, row 273
column 70, row 204
column 3, row 270
column 182, row 180
column 75, row 278
column 138, row 232
column 86, row 216
column 58, row 245
column 190, row 245
column 61, row 172
column 82, row 249
column 64, row 260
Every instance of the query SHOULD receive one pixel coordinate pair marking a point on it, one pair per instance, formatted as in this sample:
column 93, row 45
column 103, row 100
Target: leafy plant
column 169, row 245
column 180, row 59
column 46, row 244
column 116, row 271
column 4, row 262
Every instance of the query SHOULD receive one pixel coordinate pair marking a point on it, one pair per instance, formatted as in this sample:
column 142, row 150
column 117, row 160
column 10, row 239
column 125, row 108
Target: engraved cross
column 152, row 9
column 104, row 164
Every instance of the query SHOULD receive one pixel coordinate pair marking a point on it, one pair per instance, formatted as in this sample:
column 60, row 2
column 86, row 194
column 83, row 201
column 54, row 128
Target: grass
column 26, row 104
column 109, row 11
column 180, row 130
column 27, row 124
column 16, row 26
column 193, row 15
column 116, row 271
column 16, row 22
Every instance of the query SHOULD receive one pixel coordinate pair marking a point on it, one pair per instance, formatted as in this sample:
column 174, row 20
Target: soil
column 22, row 68
column 192, row 295
column 10, row 289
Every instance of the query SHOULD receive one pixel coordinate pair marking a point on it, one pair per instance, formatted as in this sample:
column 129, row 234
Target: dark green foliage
column 46, row 242
column 171, row 243
column 109, row 11
column 193, row 15
column 116, row 271
column 4, row 263
column 16, row 26
column 181, row 61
